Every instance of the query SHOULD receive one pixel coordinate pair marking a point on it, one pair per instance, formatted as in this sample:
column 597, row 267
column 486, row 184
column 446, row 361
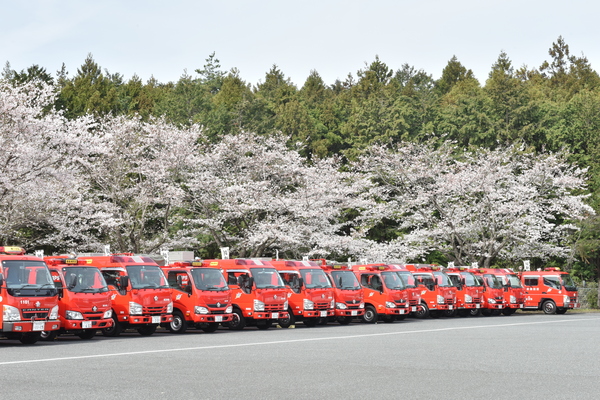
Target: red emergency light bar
column 12, row 250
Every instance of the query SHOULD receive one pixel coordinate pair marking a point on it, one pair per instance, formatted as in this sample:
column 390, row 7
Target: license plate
column 354, row 313
column 450, row 307
column 477, row 305
column 323, row 313
column 401, row 311
column 275, row 315
column 156, row 319
column 38, row 326
column 520, row 305
column 218, row 318
column 86, row 324
column 413, row 308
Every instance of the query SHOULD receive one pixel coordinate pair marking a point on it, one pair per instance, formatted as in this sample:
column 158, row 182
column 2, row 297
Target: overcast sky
column 335, row 38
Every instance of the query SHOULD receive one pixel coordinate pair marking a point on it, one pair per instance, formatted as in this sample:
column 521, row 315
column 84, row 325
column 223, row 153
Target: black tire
column 422, row 311
column 264, row 324
column 389, row 318
column 344, row 320
column 486, row 312
column 475, row 312
column 238, row 322
column 287, row 322
column 496, row 312
column 115, row 329
column 147, row 330
column 449, row 313
column 179, row 324
column 370, row 316
column 30, row 338
column 210, row 327
column 549, row 307
column 463, row 313
column 561, row 310
column 87, row 334
column 48, row 336
column 509, row 311
column 310, row 322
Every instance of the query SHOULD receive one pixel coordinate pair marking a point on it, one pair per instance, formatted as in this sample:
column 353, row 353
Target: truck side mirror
column 72, row 281
column 250, row 282
column 1, row 279
column 123, row 282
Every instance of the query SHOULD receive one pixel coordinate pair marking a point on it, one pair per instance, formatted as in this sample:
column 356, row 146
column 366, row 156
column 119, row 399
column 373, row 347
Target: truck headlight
column 389, row 304
column 308, row 305
column 513, row 299
column 200, row 310
column 491, row 301
column 170, row 308
column 332, row 304
column 285, row 305
column 468, row 298
column 54, row 313
column 341, row 306
column 259, row 305
column 566, row 299
column 72, row 315
column 10, row 313
column 440, row 299
column 107, row 314
column 135, row 308
column 361, row 305
column 229, row 310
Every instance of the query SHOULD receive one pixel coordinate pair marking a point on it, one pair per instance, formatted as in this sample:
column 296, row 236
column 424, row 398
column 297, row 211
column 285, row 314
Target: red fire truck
column 348, row 294
column 310, row 294
column 28, row 296
column 201, row 297
column 438, row 295
column 140, row 295
column 514, row 292
column 414, row 293
column 550, row 290
column 259, row 296
column 469, row 290
column 83, row 298
column 384, row 292
column 493, row 296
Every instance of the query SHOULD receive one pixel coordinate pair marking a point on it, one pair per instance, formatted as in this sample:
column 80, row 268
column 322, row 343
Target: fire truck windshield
column 85, row 280
column 492, row 281
column 442, row 279
column 470, row 279
column 266, row 278
column 568, row 282
column 407, row 278
column 314, row 278
column 27, row 278
column 146, row 277
column 345, row 280
column 209, row 279
column 512, row 279
column 392, row 280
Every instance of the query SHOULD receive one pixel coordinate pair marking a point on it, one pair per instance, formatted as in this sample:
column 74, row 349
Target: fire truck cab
column 438, row 294
column 514, row 292
column 259, row 296
column 493, row 303
column 83, row 298
column 140, row 295
column 201, row 297
column 384, row 292
column 348, row 294
column 310, row 294
column 469, row 290
column 551, row 290
column 28, row 296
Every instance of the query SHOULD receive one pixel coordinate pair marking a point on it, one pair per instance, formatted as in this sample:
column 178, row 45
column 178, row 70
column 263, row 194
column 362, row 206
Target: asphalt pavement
column 526, row 356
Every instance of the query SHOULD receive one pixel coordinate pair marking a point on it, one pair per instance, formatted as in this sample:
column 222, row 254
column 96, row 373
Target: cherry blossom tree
column 474, row 206
column 256, row 196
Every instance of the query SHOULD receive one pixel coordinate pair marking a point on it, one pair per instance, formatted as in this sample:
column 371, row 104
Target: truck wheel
column 210, row 327
column 344, row 320
column 561, row 310
column 115, row 329
column 238, row 322
column 87, row 334
column 549, row 307
column 48, row 335
column 449, row 313
column 313, row 321
column 30, row 338
column 179, row 324
column 263, row 324
column 147, row 330
column 422, row 311
column 370, row 316
column 475, row 312
column 287, row 322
